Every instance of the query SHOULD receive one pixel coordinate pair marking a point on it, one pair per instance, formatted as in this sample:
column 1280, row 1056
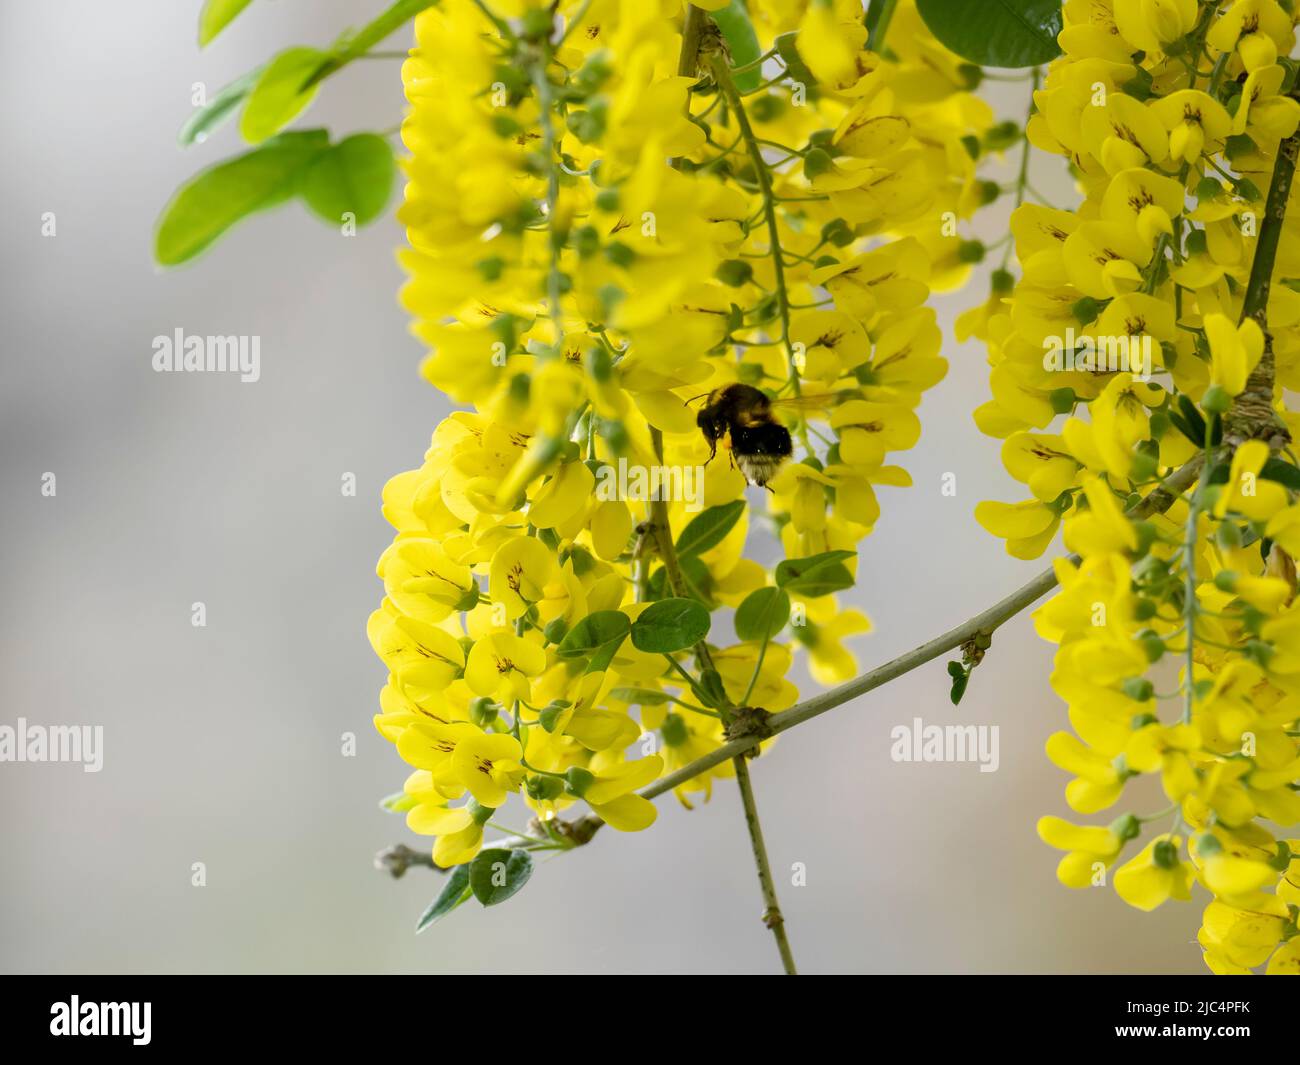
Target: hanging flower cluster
column 622, row 268
column 1151, row 327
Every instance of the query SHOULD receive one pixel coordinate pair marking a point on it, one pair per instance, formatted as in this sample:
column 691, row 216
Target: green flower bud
column 816, row 162
column 1207, row 845
column 734, row 272
column 483, row 711
column 543, row 789
column 620, row 254
column 1126, row 827
column 1208, row 188
column 1138, row 688
column 1226, row 580
column 1086, row 310
column 1063, row 400
column 1165, row 854
column 674, row 730
column 1152, row 645
column 586, row 240
column 1216, row 400
column 549, row 715
column 578, row 780
column 1228, row 535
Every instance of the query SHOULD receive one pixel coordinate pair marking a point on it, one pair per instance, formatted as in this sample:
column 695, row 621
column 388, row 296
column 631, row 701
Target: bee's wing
column 808, row 404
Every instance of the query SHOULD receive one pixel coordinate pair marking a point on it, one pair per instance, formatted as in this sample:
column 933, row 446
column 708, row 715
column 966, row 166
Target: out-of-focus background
column 222, row 744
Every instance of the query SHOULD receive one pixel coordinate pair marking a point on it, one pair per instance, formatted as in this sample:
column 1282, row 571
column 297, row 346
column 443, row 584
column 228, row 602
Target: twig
column 1252, row 413
column 986, row 623
column 672, row 570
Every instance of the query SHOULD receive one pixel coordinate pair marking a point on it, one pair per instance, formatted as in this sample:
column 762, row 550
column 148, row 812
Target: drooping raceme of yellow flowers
column 594, row 248
column 1179, row 625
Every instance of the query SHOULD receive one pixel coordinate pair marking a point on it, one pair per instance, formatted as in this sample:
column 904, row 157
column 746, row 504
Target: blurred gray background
column 222, row 744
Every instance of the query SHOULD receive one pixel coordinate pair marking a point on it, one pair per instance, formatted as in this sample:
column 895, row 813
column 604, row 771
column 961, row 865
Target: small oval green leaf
column 670, row 625
column 594, row 632
column 281, row 94
column 815, row 575
column 354, row 177
column 215, row 199
column 996, row 33
column 709, row 528
column 454, row 892
column 496, row 874
column 216, row 16
column 209, row 118
column 763, row 614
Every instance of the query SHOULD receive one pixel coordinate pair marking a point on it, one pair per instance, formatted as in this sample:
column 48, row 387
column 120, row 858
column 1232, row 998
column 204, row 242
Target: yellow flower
column 1027, row 527
column 609, row 791
column 1234, row 350
column 1088, row 847
column 1152, row 24
column 488, row 764
column 1246, row 492
column 1096, row 784
column 500, row 664
column 1154, row 875
column 1197, row 123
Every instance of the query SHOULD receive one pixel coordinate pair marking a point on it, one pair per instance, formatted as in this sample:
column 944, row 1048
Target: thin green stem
column 877, row 40
column 772, row 916
column 722, row 78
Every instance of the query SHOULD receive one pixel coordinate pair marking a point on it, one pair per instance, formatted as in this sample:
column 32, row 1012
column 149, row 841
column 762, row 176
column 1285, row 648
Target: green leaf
column 815, row 575
column 733, row 21
column 709, row 528
column 281, row 93
column 695, row 574
column 786, row 47
column 215, row 199
column 960, row 678
column 763, row 614
column 209, row 118
column 670, row 625
column 454, row 892
column 496, row 874
column 640, row 696
column 593, row 632
column 354, row 176
column 996, row 33
column 1281, row 472
column 216, row 16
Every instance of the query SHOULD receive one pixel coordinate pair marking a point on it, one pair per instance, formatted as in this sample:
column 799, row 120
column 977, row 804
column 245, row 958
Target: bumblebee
column 741, row 416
